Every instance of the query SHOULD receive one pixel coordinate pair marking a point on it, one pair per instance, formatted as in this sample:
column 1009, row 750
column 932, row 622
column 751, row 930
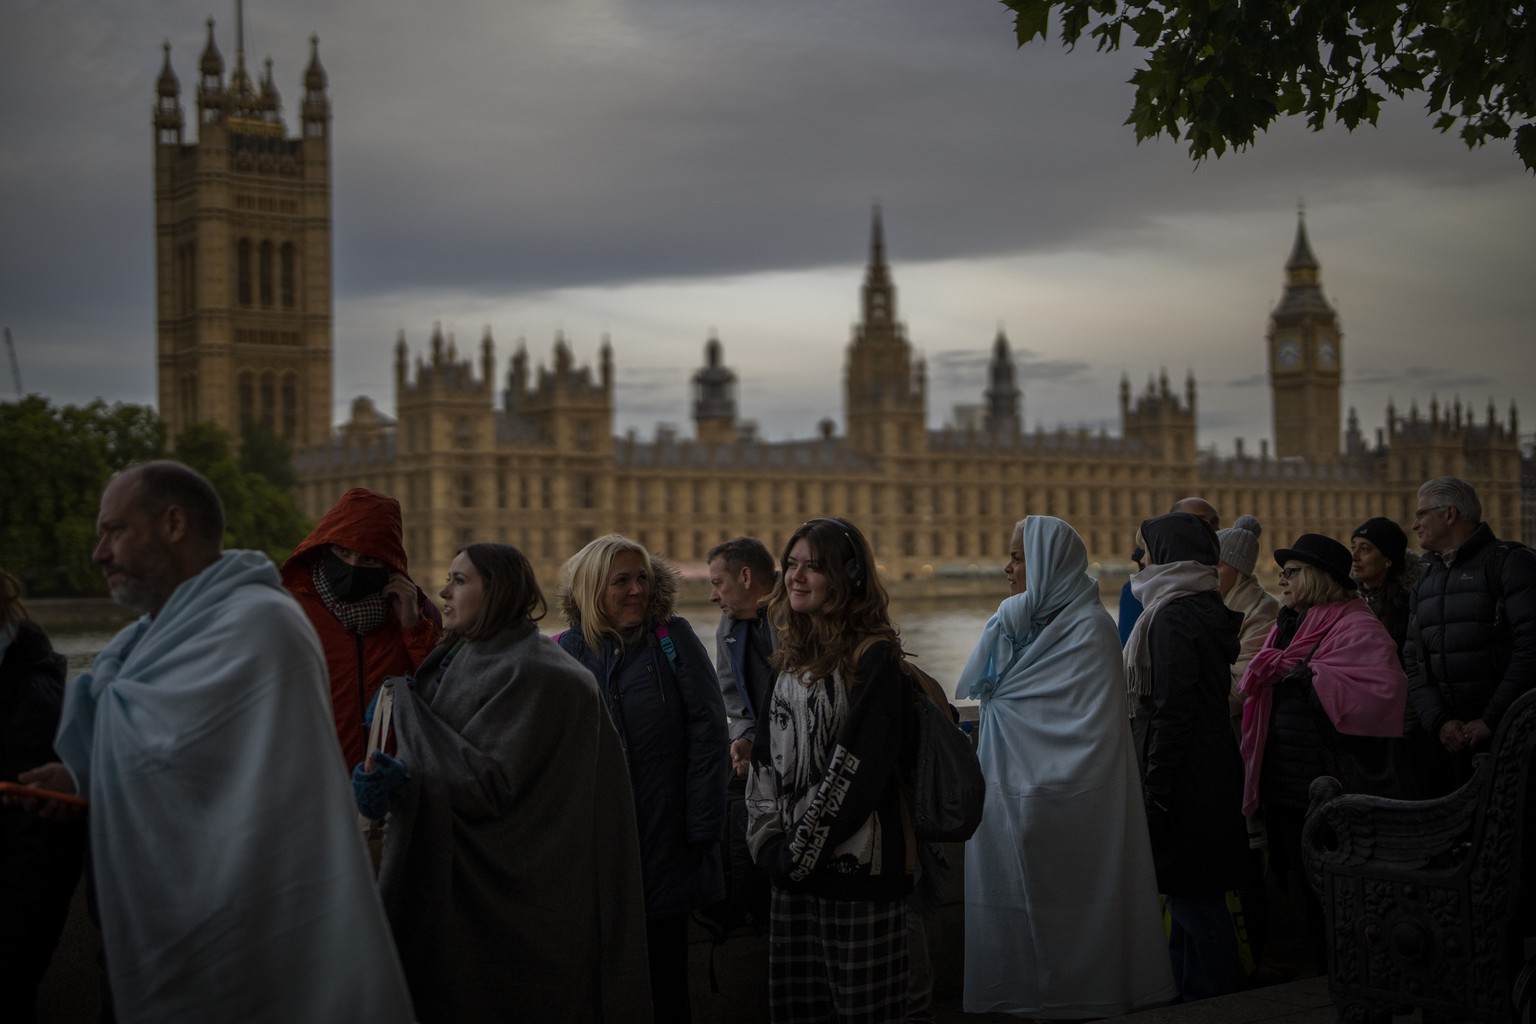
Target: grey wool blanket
column 511, row 867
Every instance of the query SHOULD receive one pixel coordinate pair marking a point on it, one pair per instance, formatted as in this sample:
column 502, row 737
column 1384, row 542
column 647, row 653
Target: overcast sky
column 658, row 170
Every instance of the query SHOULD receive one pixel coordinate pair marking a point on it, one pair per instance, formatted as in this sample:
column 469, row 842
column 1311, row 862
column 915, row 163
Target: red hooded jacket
column 369, row 523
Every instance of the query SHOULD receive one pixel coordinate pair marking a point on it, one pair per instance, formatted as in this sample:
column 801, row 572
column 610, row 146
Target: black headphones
column 854, row 567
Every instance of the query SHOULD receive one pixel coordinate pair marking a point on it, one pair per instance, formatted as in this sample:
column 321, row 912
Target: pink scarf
column 1355, row 672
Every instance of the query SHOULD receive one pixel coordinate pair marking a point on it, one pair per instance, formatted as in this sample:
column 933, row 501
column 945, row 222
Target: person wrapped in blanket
column 1325, row 696
column 509, row 818
column 824, row 805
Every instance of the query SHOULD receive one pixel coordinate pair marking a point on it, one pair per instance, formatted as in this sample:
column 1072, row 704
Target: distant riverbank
column 102, row 614
column 939, row 619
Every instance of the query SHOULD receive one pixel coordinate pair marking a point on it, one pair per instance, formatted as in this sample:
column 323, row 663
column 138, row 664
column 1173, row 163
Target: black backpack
column 948, row 789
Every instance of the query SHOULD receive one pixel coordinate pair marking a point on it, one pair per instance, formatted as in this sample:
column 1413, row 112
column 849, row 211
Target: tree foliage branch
column 1220, row 71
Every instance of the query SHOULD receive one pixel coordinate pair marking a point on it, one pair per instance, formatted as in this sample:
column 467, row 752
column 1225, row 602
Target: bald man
column 1201, row 509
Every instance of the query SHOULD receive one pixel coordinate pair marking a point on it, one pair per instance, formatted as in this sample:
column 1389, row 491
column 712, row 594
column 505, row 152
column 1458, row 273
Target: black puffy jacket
column 1472, row 647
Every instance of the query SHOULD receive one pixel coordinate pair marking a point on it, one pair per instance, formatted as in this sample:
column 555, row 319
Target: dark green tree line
column 54, row 462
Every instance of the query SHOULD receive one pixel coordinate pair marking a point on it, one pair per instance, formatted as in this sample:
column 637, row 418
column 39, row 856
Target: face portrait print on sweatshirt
column 463, row 595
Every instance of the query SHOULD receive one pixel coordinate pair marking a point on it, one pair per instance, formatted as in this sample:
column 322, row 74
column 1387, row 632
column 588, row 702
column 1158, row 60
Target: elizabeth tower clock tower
column 1305, row 358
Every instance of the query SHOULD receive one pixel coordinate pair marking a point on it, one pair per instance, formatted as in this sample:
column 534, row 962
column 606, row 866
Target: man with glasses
column 1471, row 647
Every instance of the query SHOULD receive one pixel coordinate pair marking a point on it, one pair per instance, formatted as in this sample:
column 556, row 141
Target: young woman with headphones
column 824, row 803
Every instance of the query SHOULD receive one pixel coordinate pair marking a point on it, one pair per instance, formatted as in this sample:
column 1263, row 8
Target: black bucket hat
column 1323, row 552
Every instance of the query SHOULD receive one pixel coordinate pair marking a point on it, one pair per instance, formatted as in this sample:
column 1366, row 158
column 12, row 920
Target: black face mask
column 353, row 582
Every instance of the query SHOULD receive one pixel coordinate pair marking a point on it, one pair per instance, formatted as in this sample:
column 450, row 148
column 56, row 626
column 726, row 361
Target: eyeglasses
column 1420, row 513
column 1286, row 574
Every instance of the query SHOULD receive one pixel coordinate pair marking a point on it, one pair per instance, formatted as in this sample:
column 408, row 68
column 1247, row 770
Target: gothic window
column 698, row 498
column 546, row 493
column 266, row 275
column 908, row 543
column 586, row 492
column 243, row 271
column 286, row 275
column 463, row 434
column 290, row 406
column 247, row 399
column 189, row 398
column 466, row 491
column 269, row 400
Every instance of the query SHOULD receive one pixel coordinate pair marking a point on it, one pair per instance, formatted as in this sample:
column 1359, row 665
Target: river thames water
column 937, row 633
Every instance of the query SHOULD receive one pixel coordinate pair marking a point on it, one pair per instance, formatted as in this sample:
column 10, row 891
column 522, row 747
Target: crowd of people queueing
column 554, row 808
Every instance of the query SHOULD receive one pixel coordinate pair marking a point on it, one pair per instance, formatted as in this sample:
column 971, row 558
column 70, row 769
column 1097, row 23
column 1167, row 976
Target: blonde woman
column 662, row 694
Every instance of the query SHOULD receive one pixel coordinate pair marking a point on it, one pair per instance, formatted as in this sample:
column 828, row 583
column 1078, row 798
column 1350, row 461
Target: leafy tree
column 259, row 511
column 265, row 453
column 57, row 460
column 1218, row 71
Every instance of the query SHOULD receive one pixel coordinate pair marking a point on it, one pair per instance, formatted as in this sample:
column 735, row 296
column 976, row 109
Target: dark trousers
column 666, row 942
column 1203, row 947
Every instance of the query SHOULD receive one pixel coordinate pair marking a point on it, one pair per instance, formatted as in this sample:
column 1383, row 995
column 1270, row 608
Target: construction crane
column 10, row 347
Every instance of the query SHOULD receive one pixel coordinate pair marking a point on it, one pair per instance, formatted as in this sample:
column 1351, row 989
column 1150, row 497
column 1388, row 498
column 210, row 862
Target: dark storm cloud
column 495, row 150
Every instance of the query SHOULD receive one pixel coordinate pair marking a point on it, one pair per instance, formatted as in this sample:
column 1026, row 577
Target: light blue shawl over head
column 1056, row 573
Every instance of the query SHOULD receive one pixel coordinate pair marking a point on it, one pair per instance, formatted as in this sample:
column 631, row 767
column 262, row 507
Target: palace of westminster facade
column 243, row 238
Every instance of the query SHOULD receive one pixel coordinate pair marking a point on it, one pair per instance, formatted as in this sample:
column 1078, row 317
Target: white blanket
column 232, row 881
column 1061, row 910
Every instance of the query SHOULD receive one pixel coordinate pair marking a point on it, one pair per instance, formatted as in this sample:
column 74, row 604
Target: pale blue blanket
column 232, row 880
column 1061, row 911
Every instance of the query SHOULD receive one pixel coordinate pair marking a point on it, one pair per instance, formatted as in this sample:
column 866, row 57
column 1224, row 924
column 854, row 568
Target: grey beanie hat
column 1240, row 544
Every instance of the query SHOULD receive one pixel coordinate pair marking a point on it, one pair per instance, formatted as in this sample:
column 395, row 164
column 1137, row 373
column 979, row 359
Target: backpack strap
column 667, row 647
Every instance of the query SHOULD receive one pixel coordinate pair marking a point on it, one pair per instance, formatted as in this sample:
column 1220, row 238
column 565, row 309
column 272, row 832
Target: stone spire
column 879, row 292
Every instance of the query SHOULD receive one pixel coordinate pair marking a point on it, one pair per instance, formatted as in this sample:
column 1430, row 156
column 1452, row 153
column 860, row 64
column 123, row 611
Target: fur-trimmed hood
column 665, row 581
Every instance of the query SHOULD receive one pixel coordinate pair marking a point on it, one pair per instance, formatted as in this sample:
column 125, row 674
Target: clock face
column 1289, row 353
column 1327, row 354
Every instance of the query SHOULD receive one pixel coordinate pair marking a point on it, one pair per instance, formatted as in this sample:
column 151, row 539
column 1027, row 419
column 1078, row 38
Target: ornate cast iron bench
column 1421, row 897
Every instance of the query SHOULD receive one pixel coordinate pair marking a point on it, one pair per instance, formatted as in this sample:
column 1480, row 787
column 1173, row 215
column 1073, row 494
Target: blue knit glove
column 371, row 790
